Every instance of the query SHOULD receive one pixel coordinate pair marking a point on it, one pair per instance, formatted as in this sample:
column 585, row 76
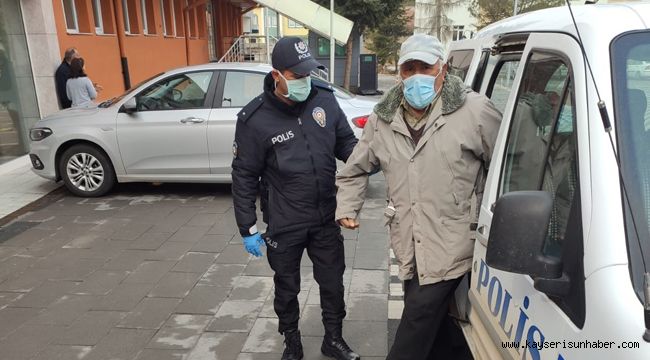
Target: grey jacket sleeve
column 352, row 179
column 487, row 120
column 92, row 92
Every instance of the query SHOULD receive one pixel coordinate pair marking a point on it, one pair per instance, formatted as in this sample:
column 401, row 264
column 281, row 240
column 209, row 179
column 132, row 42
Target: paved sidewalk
column 19, row 186
column 164, row 276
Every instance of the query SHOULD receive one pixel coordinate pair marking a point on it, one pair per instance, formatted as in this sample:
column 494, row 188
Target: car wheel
column 86, row 171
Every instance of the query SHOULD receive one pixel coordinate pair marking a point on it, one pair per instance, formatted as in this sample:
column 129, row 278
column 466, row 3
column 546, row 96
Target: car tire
column 86, row 171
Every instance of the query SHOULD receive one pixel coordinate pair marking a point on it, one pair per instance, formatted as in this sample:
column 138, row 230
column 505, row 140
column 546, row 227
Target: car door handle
column 192, row 120
column 483, row 230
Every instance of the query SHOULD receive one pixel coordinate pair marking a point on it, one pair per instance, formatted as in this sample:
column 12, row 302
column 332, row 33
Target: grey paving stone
column 127, row 260
column 85, row 240
column 251, row 288
column 162, row 354
column 151, row 313
column 45, row 294
column 175, row 285
column 223, row 275
column 180, row 332
column 311, row 348
column 14, row 265
column 130, row 231
column 27, row 237
column 89, row 329
column 65, row 310
column 311, row 323
column 371, row 260
column 120, row 344
column 7, row 298
column 150, row 241
column 101, row 282
column 233, row 254
column 12, row 318
column 124, row 297
column 76, row 270
column 201, row 219
column 203, row 299
column 194, row 262
column 369, row 281
column 9, row 251
column 191, row 234
column 350, row 247
column 25, row 281
column 260, row 356
column 367, row 307
column 225, row 225
column 349, row 234
column 63, row 352
column 235, row 316
column 211, row 243
column 27, row 341
column 177, row 218
column 170, row 251
column 264, row 337
column 219, row 346
column 149, row 272
column 258, row 267
column 367, row 338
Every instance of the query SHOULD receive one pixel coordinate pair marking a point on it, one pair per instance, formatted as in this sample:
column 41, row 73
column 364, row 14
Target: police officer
column 290, row 136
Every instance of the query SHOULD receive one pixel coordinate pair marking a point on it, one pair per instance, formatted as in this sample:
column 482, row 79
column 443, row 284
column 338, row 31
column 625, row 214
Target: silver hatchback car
column 178, row 126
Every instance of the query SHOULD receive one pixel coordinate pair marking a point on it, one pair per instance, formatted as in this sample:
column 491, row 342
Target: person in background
column 79, row 89
column 62, row 75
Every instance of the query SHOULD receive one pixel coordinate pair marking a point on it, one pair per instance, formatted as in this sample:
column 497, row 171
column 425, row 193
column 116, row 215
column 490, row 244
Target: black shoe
column 292, row 345
column 336, row 347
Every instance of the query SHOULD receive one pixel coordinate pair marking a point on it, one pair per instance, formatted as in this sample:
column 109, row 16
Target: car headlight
column 38, row 134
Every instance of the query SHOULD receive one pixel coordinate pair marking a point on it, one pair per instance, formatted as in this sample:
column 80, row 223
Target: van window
column 631, row 74
column 500, row 89
column 459, row 62
column 542, row 154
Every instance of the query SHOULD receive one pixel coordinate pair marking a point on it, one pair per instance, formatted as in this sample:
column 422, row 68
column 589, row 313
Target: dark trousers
column 325, row 249
column 425, row 310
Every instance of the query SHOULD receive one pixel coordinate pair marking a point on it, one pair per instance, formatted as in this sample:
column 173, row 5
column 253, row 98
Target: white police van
column 563, row 237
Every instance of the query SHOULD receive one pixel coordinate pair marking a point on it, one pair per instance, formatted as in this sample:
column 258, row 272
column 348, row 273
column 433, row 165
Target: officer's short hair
column 69, row 54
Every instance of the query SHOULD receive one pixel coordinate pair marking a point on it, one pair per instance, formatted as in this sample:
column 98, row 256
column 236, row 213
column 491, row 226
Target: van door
column 537, row 149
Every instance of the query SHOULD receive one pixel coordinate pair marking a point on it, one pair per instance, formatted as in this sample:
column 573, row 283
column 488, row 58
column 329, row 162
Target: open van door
column 536, row 150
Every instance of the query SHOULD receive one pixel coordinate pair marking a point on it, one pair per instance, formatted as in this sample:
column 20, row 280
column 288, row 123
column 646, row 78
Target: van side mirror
column 517, row 235
column 130, row 106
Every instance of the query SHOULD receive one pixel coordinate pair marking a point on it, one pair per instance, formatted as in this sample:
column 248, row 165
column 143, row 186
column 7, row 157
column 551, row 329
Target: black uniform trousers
column 419, row 334
column 324, row 246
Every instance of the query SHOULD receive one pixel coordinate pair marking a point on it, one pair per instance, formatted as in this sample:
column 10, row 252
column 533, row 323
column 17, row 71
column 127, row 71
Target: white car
column 175, row 127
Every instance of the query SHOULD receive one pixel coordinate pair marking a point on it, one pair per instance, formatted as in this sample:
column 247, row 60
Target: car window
column 241, row 87
column 501, row 87
column 541, row 155
column 183, row 91
column 459, row 62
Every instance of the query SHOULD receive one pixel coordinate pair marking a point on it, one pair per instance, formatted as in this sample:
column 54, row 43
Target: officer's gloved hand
column 253, row 244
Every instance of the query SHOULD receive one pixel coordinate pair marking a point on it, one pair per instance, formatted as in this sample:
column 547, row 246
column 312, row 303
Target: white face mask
column 297, row 90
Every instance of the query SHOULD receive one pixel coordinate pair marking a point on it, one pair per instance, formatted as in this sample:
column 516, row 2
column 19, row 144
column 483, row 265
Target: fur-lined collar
column 453, row 96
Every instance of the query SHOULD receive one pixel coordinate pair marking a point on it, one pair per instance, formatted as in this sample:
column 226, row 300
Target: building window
column 191, row 21
column 294, row 24
column 458, row 32
column 97, row 17
column 148, row 19
column 201, row 21
column 324, row 48
column 178, row 16
column 168, row 17
column 129, row 10
column 70, row 12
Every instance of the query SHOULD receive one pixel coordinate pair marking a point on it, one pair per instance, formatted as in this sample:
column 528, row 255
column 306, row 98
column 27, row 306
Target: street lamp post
column 515, row 7
column 330, row 74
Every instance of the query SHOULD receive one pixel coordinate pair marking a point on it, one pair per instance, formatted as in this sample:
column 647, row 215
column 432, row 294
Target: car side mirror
column 517, row 235
column 130, row 106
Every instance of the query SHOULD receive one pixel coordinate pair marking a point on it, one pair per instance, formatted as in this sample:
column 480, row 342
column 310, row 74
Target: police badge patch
column 319, row 116
column 234, row 149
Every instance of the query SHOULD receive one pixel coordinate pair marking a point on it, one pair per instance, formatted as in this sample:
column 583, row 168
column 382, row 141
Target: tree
column 385, row 39
column 490, row 11
column 433, row 19
column 366, row 14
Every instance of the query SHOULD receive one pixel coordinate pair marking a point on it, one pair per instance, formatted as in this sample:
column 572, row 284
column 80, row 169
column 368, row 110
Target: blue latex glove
column 253, row 244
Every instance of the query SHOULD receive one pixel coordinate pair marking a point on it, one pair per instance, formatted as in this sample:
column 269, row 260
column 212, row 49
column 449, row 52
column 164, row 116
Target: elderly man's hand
column 349, row 223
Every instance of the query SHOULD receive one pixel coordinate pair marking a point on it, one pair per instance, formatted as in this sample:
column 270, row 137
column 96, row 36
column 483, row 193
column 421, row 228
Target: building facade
column 122, row 42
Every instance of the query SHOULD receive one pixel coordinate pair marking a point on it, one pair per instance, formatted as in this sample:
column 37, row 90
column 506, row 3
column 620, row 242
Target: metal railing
column 253, row 48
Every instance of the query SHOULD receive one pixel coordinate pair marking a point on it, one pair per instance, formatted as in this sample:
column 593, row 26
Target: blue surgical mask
column 565, row 121
column 297, row 90
column 420, row 90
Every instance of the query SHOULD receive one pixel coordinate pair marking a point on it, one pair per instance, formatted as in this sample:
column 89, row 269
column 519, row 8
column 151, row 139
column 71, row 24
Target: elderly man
column 61, row 76
column 431, row 136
